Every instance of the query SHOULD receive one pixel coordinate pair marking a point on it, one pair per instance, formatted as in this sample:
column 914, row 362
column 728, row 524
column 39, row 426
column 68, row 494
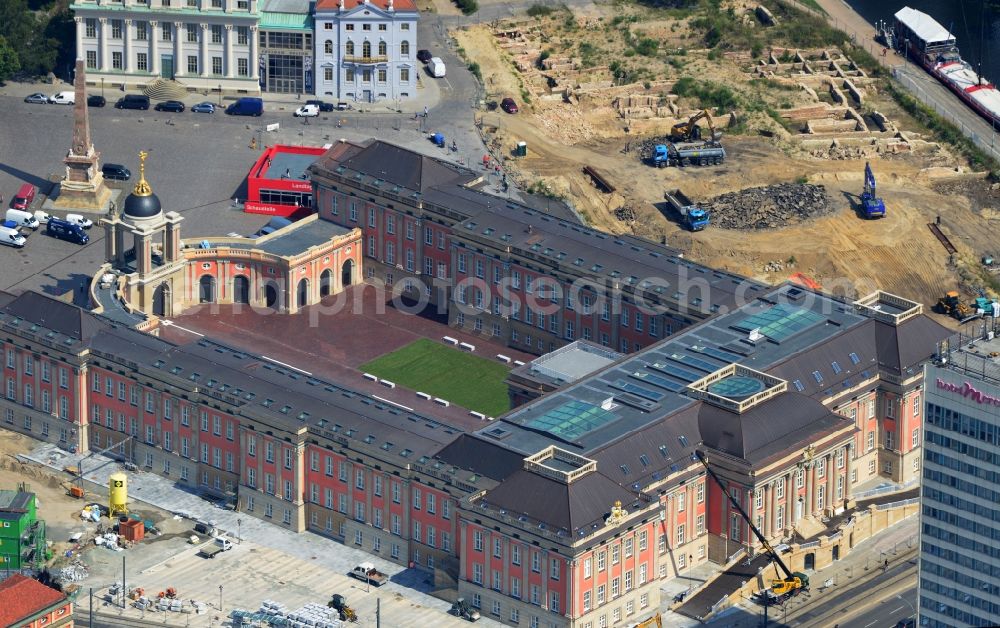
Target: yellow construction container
column 118, row 494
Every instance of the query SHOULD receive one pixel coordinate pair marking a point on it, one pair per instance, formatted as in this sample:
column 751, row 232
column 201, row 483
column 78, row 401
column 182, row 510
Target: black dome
column 145, row 206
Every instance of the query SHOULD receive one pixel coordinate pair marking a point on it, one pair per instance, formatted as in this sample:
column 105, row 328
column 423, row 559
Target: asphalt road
column 871, row 600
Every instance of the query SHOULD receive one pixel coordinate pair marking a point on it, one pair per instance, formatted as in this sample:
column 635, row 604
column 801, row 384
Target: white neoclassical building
column 366, row 50
column 206, row 45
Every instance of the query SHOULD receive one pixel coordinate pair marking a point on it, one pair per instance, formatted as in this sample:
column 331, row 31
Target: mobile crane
column 792, row 583
column 690, row 131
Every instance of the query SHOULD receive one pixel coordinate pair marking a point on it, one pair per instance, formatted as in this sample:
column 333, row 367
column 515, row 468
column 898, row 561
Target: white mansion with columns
column 204, row 44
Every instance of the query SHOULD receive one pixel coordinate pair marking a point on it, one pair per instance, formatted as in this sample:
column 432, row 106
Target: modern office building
column 205, row 45
column 959, row 572
column 286, row 47
column 22, row 533
column 366, row 51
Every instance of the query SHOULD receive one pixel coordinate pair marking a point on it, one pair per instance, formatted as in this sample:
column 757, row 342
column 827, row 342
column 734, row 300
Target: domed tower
column 142, row 207
column 142, row 216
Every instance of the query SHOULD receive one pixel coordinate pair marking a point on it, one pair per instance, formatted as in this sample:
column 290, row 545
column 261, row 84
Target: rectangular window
column 217, row 66
column 192, row 32
column 192, row 64
column 91, row 59
column 167, row 31
column 90, row 25
column 242, row 67
column 116, row 29
column 242, row 35
column 116, row 60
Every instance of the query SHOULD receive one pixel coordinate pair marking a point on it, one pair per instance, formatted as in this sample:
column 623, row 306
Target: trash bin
column 521, row 150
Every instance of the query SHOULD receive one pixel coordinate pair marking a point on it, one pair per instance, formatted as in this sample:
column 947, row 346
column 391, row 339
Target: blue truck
column 701, row 153
column 871, row 205
column 694, row 217
column 246, row 107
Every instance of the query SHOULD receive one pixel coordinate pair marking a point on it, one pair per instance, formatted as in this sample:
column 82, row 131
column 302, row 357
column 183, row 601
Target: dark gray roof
column 394, row 165
column 569, row 507
column 474, row 199
column 902, row 348
column 65, row 320
column 296, row 239
column 782, row 422
column 481, row 456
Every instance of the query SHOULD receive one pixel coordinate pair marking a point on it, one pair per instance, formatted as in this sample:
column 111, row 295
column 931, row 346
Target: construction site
column 781, row 146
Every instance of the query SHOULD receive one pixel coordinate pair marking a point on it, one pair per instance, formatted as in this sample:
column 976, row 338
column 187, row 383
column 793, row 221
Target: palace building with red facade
column 571, row 509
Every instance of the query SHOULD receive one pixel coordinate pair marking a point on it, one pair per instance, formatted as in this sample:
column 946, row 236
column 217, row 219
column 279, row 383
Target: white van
column 41, row 217
column 11, row 237
column 224, row 543
column 77, row 219
column 22, row 218
column 436, row 67
column 63, row 98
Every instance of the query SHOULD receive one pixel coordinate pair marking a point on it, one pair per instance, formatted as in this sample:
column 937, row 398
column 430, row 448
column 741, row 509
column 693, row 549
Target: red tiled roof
column 21, row 597
column 398, row 5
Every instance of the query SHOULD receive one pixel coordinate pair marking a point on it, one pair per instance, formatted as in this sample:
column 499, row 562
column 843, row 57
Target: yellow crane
column 690, row 131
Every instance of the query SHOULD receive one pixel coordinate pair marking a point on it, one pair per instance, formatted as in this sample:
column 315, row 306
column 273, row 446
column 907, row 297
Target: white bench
column 467, row 346
column 478, row 415
column 424, row 395
column 443, row 402
column 450, row 340
column 369, row 376
column 503, row 358
column 518, row 363
column 387, row 383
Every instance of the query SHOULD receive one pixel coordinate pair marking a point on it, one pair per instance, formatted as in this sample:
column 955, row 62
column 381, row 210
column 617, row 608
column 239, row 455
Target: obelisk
column 83, row 187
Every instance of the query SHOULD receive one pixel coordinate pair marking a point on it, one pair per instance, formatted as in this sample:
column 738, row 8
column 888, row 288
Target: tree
column 27, row 35
column 9, row 63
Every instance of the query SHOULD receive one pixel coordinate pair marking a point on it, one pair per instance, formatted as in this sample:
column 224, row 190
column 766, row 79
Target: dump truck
column 366, row 572
column 694, row 217
column 688, row 154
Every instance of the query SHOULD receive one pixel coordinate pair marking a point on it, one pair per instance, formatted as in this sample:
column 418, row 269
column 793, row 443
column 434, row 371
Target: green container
column 521, row 150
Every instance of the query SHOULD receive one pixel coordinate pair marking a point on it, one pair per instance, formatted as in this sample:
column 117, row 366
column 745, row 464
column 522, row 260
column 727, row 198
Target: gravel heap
column 768, row 207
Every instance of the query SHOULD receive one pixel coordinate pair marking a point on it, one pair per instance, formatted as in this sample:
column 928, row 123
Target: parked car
column 96, row 101
column 307, row 111
column 170, row 105
column 117, row 172
column 133, row 101
column 436, row 67
column 203, row 107
column 63, row 98
column 246, row 106
column 65, row 230
column 37, row 98
column 508, row 105
column 322, row 104
column 423, row 56
column 25, row 196
column 11, row 237
column 80, row 221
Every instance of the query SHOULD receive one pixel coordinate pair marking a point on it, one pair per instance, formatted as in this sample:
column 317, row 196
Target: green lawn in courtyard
column 460, row 377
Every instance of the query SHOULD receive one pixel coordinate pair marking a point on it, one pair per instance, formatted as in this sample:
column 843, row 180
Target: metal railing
column 905, row 502
column 895, row 488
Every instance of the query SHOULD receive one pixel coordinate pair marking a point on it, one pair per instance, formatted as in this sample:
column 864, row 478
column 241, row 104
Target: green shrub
column 468, row 7
column 540, row 10
column 647, row 46
column 476, row 71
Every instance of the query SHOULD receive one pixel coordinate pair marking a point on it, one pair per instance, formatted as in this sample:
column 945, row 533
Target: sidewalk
column 428, row 95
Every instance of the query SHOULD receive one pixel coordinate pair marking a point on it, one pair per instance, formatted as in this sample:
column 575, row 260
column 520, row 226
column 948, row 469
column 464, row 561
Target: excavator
column 781, row 587
column 690, row 131
column 655, row 620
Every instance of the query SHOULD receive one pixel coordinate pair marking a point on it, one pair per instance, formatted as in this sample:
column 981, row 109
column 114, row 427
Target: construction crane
column 791, row 583
column 690, row 131
column 871, row 204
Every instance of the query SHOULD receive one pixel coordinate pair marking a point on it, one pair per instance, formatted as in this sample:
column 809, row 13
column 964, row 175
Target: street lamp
column 102, row 87
column 220, row 94
column 239, row 531
column 908, row 603
column 220, row 598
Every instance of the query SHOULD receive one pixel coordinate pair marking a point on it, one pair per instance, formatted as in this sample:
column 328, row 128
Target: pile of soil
column 768, row 207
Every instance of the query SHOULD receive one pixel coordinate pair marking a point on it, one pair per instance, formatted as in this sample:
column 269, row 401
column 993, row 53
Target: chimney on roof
column 390, row 6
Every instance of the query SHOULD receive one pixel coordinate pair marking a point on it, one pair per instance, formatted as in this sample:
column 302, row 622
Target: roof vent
column 755, row 335
column 608, row 404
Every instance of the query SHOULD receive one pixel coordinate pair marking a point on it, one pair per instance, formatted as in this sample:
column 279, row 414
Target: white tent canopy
column 924, row 26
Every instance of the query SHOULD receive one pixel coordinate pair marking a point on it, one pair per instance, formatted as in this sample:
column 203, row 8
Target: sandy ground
column 842, row 251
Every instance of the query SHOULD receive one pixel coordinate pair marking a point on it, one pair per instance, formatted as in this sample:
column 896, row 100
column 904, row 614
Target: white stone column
column 80, row 31
column 180, row 63
column 254, row 60
column 129, row 64
column 154, row 48
column 229, row 51
column 102, row 56
column 204, row 62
